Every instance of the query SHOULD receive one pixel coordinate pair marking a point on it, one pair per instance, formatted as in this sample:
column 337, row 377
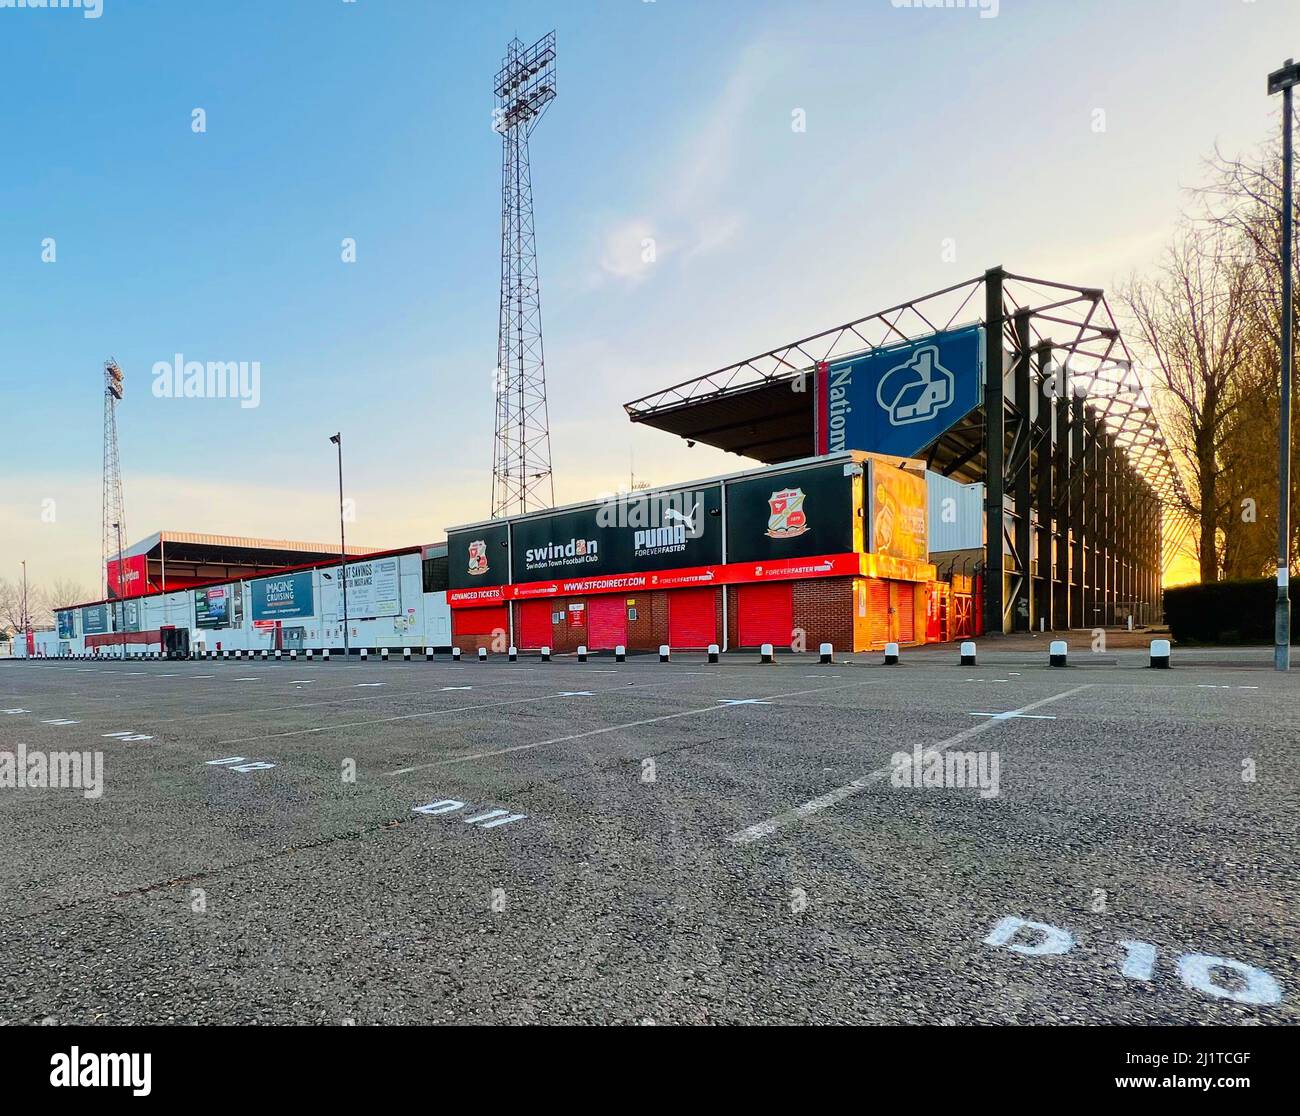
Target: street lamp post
column 1283, row 81
column 337, row 439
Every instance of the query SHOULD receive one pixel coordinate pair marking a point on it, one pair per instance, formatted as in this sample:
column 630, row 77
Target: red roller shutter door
column 905, row 615
column 692, row 618
column 878, row 611
column 766, row 614
column 535, row 624
column 479, row 621
column 606, row 623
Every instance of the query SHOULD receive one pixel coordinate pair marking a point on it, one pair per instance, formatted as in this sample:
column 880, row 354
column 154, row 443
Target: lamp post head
column 1285, row 78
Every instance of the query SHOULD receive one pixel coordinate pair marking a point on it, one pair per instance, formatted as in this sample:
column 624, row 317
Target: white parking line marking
column 60, row 721
column 833, row 798
column 743, row 701
column 366, row 685
column 609, row 728
column 1009, row 715
column 445, row 688
column 576, row 693
column 12, row 712
column 666, row 680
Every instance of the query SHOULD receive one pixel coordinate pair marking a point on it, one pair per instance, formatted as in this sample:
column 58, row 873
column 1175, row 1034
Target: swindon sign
column 898, row 399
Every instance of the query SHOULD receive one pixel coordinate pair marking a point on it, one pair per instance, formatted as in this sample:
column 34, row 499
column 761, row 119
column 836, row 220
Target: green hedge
column 1226, row 612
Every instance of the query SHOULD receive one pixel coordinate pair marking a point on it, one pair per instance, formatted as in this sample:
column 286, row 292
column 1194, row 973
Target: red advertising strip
column 822, row 406
column 696, row 577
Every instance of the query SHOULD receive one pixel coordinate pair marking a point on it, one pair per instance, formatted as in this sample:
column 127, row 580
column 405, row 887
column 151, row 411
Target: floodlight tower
column 521, row 468
column 114, row 504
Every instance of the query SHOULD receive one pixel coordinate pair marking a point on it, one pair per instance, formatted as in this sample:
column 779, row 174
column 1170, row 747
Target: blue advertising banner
column 67, row 626
column 899, row 399
column 279, row 598
column 94, row 620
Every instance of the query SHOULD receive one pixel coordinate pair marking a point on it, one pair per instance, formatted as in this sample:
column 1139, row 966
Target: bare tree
column 1244, row 198
column 1192, row 320
column 11, row 607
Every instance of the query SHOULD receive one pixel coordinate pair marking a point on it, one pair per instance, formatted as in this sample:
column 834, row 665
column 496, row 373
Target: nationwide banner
column 898, row 399
column 735, row 573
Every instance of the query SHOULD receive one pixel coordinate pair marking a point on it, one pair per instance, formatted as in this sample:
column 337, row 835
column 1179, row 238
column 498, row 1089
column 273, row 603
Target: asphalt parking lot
column 654, row 843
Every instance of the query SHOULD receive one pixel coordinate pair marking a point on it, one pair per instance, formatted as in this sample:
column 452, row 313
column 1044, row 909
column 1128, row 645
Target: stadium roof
column 762, row 407
column 192, row 546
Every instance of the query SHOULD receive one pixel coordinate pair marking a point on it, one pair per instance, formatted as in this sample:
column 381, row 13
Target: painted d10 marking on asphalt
column 128, row 735
column 239, row 763
column 489, row 819
column 1198, row 971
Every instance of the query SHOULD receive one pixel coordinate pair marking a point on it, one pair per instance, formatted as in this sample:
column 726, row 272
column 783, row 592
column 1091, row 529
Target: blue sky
column 372, row 120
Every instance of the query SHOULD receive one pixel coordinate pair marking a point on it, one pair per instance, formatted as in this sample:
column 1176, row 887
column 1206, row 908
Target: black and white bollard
column 1160, row 654
column 383, row 654
column 482, row 654
column 713, row 652
column 455, row 654
column 428, row 654
column 325, row 655
column 825, row 653
column 365, row 654
column 891, row 654
column 582, row 652
column 620, row 654
column 968, row 653
column 546, row 654
column 406, row 654
column 663, row 652
column 293, row 655
column 512, row 653
column 765, row 654
column 307, row 654
column 1057, row 652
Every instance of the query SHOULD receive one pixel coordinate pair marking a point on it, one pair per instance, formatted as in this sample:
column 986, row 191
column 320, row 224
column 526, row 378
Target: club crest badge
column 787, row 519
column 478, row 562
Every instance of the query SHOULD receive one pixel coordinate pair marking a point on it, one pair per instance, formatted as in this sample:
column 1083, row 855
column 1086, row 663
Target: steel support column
column 994, row 451
column 1063, row 519
column 1042, row 427
column 1021, row 604
column 1078, row 498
